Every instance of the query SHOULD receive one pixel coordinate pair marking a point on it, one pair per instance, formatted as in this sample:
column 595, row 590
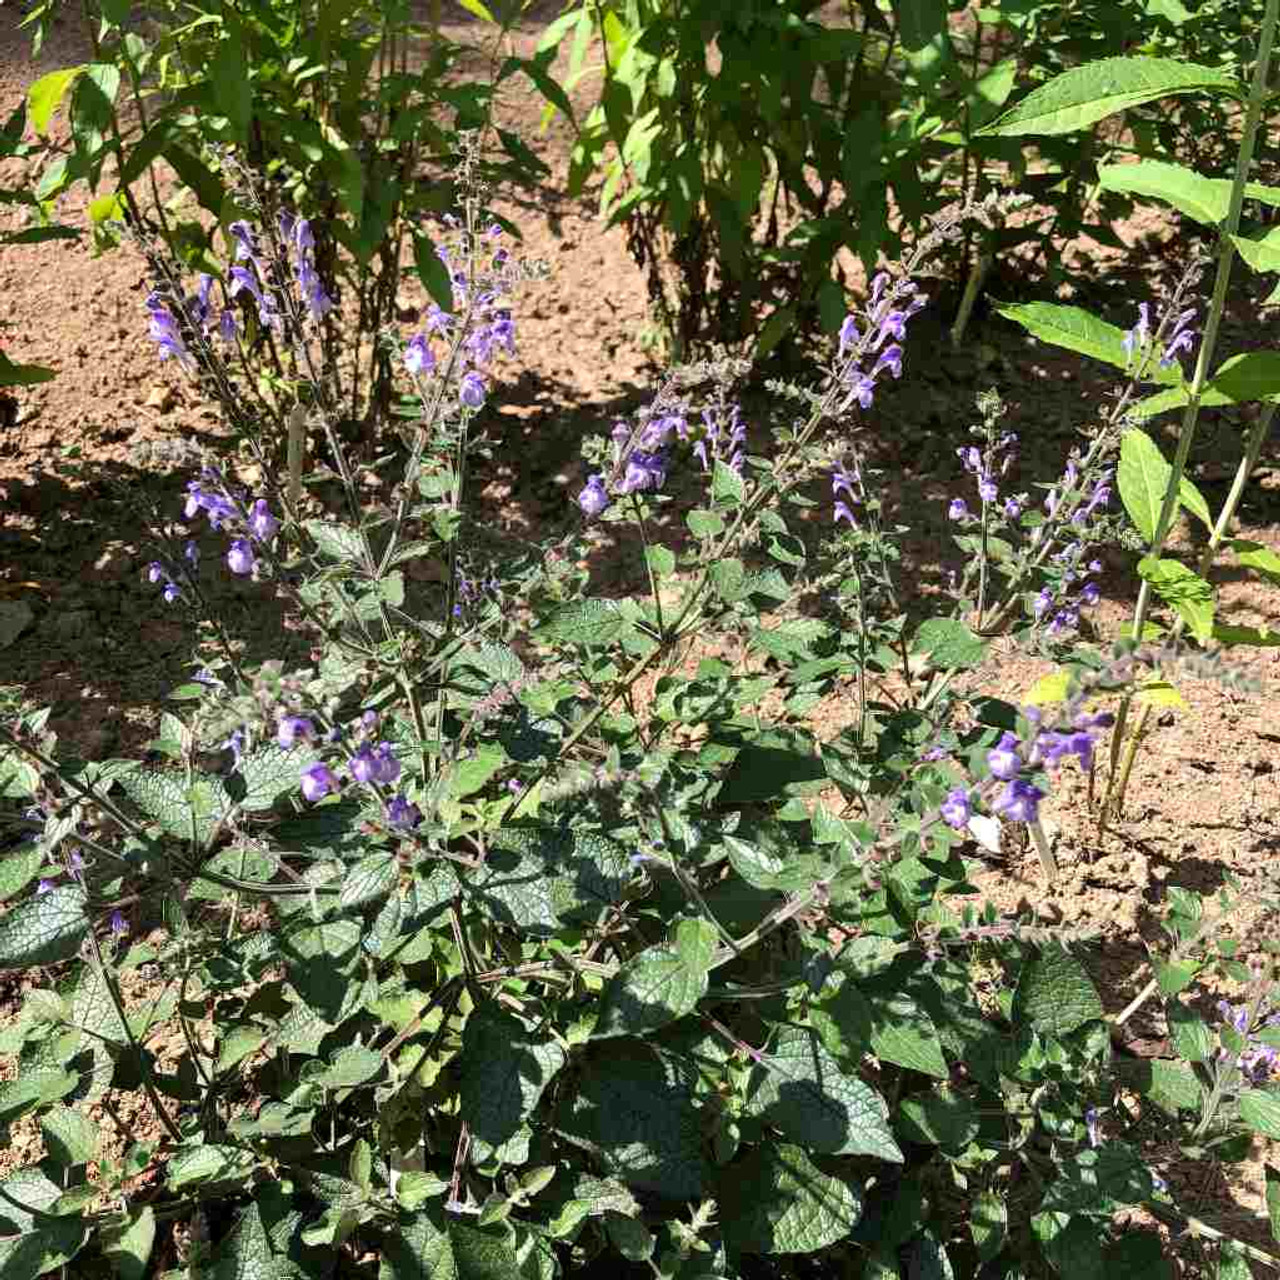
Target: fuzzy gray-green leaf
column 1055, row 993
column 44, row 929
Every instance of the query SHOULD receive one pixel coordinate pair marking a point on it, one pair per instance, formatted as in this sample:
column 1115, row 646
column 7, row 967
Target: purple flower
column 118, row 923
column 1042, row 603
column 242, row 233
column 842, row 512
column 890, row 358
column 1182, row 338
column 515, row 786
column 235, row 744
column 958, row 510
column 44, row 886
column 594, row 498
column 987, row 490
column 471, row 391
column 1003, row 759
column 849, row 336
column 842, row 481
column 1054, row 747
column 168, row 339
column 1012, row 508
column 191, row 554
column 1136, row 339
column 970, row 459
column 1019, row 801
column 644, row 471
column 1091, row 1126
column 386, row 768
column 362, row 765
column 228, row 328
column 170, row 593
column 317, row 781
column 155, row 571
column 418, row 356
column 240, row 557
column 262, row 524
column 293, row 729
column 402, row 814
column 1089, row 594
column 955, row 808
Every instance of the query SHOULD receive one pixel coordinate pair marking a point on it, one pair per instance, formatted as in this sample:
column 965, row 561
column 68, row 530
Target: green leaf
column 659, row 985
column 268, row 773
column 336, row 541
column 585, row 622
column 1172, row 1086
column 1261, row 637
column 504, row 1071
column 473, row 773
column 352, row 1065
column 1186, row 591
column 988, row 1224
column 20, row 869
column 44, row 929
column 778, row 1201
column 1260, row 1110
column 1252, row 375
column 22, row 375
column 231, row 84
column 636, row 1112
column 1072, row 1245
column 370, row 879
column 1206, row 200
column 188, row 812
column 432, row 272
column 1258, row 557
column 705, row 524
column 1143, row 476
column 128, row 1246
column 70, row 1137
column 248, row 1252
column 1188, row 1033
column 842, row 1017
column 1273, row 1201
column 44, row 96
column 197, row 177
column 1078, row 330
column 660, row 560
column 950, row 644
column 1263, row 253
column 1100, row 1181
column 321, row 959
column 1077, row 98
column 904, row 1034
column 32, row 1246
column 727, row 486
column 800, row 1088
column 209, row 1162
column 1055, row 993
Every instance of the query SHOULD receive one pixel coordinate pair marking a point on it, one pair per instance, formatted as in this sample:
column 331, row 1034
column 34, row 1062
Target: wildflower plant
column 514, row 928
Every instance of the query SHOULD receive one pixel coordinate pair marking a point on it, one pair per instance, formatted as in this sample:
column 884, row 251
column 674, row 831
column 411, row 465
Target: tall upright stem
column 1222, row 279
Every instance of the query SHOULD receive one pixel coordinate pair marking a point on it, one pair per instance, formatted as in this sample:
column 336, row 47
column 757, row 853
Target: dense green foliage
column 512, row 931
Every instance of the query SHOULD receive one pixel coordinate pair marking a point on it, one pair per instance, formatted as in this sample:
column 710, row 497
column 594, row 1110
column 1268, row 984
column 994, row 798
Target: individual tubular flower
column 1091, row 1126
column 1003, row 759
column 472, row 390
column 240, row 557
column 644, row 471
column 262, row 524
column 362, row 765
column 1183, row 338
column 118, row 924
column 419, row 359
column 958, row 510
column 841, row 511
column 594, row 498
column 955, row 809
column 1019, row 801
column 317, row 782
column 294, row 729
column 168, row 338
column 401, row 814
column 228, row 327
column 386, row 768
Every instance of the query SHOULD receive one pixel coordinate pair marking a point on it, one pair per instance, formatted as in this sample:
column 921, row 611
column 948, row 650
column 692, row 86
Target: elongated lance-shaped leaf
column 1078, row 330
column 1206, row 200
column 1080, row 97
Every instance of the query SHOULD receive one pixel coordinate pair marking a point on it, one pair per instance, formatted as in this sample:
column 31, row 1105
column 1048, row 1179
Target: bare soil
column 103, row 650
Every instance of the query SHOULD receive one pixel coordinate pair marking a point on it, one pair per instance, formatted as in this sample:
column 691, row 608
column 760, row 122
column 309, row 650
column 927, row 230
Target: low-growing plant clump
column 518, row 930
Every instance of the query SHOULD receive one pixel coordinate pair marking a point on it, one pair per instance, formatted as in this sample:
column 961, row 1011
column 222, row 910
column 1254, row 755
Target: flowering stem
column 653, row 581
column 1222, row 278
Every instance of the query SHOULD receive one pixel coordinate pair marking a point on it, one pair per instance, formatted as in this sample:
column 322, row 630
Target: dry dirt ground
column 102, row 650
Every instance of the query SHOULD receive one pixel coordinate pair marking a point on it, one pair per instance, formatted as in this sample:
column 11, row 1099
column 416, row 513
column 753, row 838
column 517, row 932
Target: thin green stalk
column 1208, row 346
column 1253, row 448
